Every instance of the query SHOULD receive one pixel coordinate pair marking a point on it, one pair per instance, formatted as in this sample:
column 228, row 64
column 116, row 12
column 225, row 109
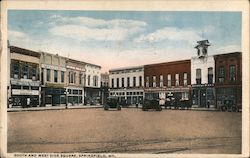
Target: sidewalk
column 53, row 108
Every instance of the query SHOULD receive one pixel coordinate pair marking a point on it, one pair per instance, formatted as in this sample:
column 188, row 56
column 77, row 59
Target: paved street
column 126, row 131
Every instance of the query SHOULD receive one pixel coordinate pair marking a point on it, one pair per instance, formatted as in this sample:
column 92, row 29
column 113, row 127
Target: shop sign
column 167, row 89
column 24, row 92
column 53, row 67
column 75, row 68
column 25, row 82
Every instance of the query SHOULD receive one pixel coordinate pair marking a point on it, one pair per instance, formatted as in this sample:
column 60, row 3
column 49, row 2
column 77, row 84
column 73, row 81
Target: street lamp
column 66, row 98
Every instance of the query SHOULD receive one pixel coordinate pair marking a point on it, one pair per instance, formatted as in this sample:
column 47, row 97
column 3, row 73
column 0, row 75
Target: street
column 127, row 131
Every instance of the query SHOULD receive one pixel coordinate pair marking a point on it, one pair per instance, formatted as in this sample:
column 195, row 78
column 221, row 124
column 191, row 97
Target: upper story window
column 210, row 75
column 232, row 73
column 198, row 76
column 95, row 80
column 221, row 74
column 147, row 81
column 161, row 80
column 88, row 80
column 169, row 80
column 177, row 79
column 134, row 81
column 140, row 81
column 62, row 76
column 185, row 79
column 154, row 81
column 112, row 83
column 33, row 72
column 128, row 81
column 48, row 74
column 72, row 77
column 16, row 69
column 117, row 83
column 80, row 79
column 122, row 82
column 55, row 76
column 25, row 71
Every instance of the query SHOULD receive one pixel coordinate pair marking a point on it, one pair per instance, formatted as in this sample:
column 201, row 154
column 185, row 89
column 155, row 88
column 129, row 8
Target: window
column 122, row 82
column 185, row 77
column 16, row 69
column 48, row 74
column 33, row 72
column 95, row 80
column 147, row 81
column 117, row 82
column 88, row 80
column 112, row 83
column 161, row 80
column 210, row 75
column 140, row 81
column 55, row 76
column 169, row 80
column 154, row 81
column 198, row 76
column 25, row 71
column 221, row 74
column 128, row 82
column 80, row 79
column 72, row 77
column 232, row 73
column 177, row 82
column 62, row 76
column 134, row 81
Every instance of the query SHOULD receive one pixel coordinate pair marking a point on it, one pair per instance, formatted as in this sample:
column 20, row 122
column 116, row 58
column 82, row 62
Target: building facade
column 53, row 79
column 202, row 77
column 92, row 84
column 168, row 79
column 24, row 90
column 228, row 78
column 75, row 81
column 104, row 87
column 127, row 84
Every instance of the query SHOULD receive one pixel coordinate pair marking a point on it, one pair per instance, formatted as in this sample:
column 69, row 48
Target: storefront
column 75, row 96
column 203, row 95
column 24, row 93
column 92, row 96
column 53, row 96
column 228, row 93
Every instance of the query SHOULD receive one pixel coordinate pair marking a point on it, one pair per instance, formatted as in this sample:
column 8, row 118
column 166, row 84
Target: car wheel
column 223, row 108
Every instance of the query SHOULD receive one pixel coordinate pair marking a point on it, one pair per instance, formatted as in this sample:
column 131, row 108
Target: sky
column 114, row 39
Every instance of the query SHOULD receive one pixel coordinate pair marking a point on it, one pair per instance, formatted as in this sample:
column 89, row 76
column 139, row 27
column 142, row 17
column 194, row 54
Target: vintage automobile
column 151, row 104
column 112, row 102
column 229, row 105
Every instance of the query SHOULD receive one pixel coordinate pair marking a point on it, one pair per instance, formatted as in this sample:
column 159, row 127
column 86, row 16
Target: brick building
column 228, row 78
column 170, row 78
column 75, row 81
column 24, row 90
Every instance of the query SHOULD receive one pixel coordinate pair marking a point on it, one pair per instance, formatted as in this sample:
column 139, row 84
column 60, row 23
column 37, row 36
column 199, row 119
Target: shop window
column 55, row 76
column 75, row 91
column 48, row 74
column 221, row 74
column 185, row 79
column 177, row 79
column 62, row 76
column 169, row 80
column 161, row 80
column 210, row 75
column 134, row 81
column 80, row 92
column 232, row 74
column 147, row 81
column 154, row 81
column 128, row 81
column 198, row 76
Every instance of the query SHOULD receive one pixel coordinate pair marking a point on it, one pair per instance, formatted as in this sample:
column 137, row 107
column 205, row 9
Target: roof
column 228, row 54
column 126, row 68
column 169, row 63
column 19, row 50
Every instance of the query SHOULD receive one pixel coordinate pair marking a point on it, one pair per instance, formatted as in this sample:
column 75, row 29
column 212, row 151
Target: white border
column 142, row 5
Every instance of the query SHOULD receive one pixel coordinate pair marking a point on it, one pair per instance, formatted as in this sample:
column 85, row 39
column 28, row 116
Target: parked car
column 229, row 105
column 112, row 102
column 151, row 104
